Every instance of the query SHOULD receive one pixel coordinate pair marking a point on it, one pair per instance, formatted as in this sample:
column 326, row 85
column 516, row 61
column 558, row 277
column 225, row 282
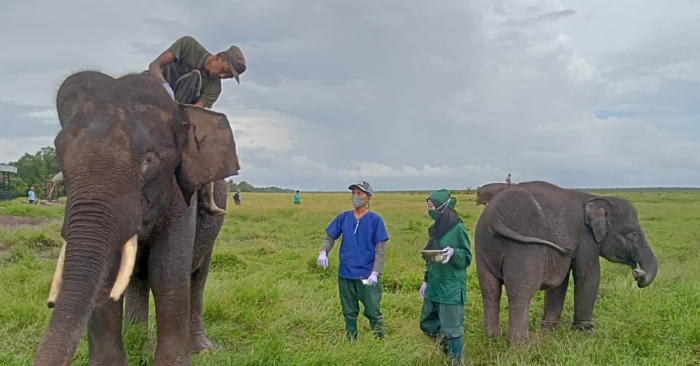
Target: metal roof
column 8, row 168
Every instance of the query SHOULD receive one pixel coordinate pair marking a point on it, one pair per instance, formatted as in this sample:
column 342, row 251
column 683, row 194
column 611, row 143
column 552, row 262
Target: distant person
column 508, row 180
column 444, row 289
column 237, row 197
column 32, row 195
column 361, row 256
column 296, row 198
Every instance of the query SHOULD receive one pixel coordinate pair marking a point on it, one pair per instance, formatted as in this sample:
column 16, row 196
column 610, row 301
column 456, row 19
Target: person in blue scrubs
column 361, row 255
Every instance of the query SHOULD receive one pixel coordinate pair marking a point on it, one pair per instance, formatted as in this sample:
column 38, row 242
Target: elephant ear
column 208, row 152
column 597, row 210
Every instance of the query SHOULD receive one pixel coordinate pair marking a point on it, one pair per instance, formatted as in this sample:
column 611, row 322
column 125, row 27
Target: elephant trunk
column 649, row 267
column 88, row 257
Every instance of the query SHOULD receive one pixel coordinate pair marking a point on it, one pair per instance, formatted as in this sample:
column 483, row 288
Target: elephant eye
column 633, row 236
column 149, row 165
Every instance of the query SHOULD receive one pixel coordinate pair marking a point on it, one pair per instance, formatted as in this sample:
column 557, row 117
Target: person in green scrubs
column 444, row 289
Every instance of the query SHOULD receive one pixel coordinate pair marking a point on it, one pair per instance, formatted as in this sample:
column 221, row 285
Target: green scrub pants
column 446, row 323
column 352, row 292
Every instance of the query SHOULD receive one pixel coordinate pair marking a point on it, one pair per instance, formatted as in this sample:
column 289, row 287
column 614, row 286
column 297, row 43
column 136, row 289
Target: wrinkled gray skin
column 132, row 160
column 487, row 192
column 533, row 236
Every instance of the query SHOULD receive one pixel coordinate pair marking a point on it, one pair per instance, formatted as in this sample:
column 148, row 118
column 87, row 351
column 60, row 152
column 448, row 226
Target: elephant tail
column 501, row 229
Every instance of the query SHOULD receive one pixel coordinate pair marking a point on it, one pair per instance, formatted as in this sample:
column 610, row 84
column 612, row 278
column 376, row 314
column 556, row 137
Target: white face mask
column 358, row 201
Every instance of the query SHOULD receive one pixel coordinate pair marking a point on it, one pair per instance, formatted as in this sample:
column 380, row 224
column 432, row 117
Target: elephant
column 488, row 191
column 131, row 160
column 535, row 235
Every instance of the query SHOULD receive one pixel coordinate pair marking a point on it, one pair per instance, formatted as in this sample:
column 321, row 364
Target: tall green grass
column 267, row 303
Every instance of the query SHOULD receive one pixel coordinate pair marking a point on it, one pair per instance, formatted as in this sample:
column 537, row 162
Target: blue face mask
column 358, row 201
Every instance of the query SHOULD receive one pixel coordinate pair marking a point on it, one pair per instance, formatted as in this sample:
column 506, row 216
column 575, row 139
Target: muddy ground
column 12, row 222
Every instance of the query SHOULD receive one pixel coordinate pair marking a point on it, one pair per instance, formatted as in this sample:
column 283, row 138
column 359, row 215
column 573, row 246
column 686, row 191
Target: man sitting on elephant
column 192, row 75
column 195, row 74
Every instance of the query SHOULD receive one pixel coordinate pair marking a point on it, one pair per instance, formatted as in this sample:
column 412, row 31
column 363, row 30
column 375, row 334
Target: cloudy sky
column 401, row 93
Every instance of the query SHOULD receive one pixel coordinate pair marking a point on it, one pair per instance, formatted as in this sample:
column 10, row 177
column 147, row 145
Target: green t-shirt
column 190, row 55
column 447, row 283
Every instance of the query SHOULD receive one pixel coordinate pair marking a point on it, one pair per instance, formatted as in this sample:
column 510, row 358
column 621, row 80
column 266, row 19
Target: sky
column 405, row 94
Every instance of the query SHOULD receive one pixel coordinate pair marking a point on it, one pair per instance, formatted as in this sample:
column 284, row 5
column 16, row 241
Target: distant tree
column 34, row 170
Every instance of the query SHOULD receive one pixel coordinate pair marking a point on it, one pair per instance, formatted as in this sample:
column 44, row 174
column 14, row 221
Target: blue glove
column 423, row 287
column 372, row 279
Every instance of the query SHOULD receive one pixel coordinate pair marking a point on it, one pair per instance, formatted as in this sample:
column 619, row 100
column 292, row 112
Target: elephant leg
column 169, row 276
column 586, row 275
column 208, row 228
column 518, row 318
column 522, row 276
column 554, row 305
column 137, row 301
column 491, row 288
column 105, row 345
column 138, row 291
column 198, row 339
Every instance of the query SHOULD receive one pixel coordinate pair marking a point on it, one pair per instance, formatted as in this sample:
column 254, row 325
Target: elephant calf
column 532, row 236
column 487, row 192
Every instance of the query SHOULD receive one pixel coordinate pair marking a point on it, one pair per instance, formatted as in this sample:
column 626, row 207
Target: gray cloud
column 404, row 94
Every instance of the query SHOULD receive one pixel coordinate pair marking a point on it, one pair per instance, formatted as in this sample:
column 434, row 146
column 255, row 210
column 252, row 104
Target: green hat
column 237, row 61
column 441, row 196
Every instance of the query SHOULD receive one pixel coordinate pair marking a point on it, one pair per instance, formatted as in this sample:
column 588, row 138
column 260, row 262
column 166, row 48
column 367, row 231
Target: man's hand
column 322, row 260
column 372, row 279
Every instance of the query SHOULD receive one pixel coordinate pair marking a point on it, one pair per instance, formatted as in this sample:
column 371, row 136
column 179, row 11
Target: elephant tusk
column 57, row 278
column 125, row 268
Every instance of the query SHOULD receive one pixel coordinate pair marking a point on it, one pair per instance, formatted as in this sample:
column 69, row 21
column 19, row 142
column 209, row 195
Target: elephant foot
column 548, row 326
column 517, row 338
column 585, row 327
column 199, row 343
column 493, row 333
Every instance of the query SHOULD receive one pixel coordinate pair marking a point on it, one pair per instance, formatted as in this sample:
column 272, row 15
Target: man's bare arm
column 154, row 68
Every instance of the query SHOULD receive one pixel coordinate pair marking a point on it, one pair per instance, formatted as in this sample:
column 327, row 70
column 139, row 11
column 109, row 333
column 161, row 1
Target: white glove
column 372, row 279
column 447, row 254
column 169, row 90
column 423, row 287
column 322, row 260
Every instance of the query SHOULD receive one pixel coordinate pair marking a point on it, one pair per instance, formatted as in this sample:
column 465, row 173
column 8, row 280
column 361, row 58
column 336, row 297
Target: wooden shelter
column 54, row 187
column 6, row 188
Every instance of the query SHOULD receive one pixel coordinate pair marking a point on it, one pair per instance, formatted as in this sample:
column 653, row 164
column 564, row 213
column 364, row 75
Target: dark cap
column 363, row 186
column 237, row 61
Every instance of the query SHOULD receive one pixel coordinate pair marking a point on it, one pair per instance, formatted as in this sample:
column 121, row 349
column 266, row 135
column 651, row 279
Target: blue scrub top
column 360, row 238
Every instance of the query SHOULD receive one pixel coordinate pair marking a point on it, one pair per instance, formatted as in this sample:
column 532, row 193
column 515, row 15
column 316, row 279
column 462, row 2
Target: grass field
column 266, row 302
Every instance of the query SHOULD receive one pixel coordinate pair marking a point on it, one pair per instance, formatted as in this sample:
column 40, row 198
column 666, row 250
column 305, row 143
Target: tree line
column 35, row 170
column 247, row 187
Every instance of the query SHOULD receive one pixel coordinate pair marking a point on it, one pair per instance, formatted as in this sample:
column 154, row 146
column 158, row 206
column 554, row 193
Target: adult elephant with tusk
column 533, row 236
column 132, row 160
